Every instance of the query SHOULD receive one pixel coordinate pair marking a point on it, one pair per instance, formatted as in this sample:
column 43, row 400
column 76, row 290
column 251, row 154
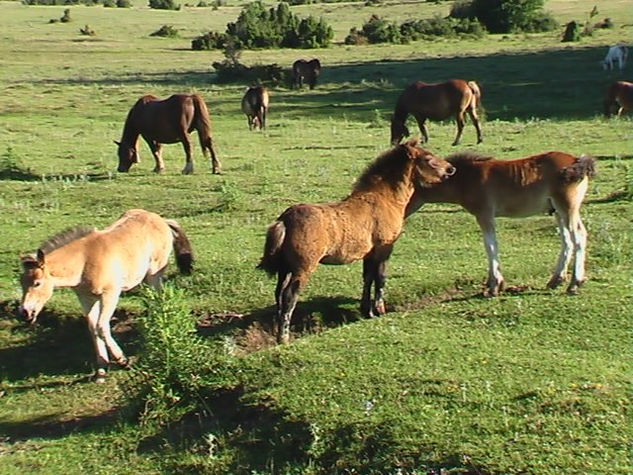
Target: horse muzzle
column 449, row 172
column 29, row 315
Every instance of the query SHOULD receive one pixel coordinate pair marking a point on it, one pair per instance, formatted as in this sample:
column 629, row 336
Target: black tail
column 584, row 166
column 182, row 248
column 202, row 122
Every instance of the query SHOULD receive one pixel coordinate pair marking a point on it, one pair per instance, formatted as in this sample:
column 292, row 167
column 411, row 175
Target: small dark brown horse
column 488, row 188
column 619, row 94
column 255, row 106
column 365, row 225
column 166, row 121
column 437, row 101
column 305, row 70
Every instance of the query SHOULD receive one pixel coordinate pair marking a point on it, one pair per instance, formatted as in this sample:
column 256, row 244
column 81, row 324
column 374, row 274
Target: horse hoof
column 100, row 376
column 380, row 308
column 555, row 282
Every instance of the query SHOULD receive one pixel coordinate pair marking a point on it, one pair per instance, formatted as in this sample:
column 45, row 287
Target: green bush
column 505, row 16
column 175, row 363
column 260, row 27
column 572, row 32
column 109, row 3
column 166, row 31
column 164, row 5
column 123, row 3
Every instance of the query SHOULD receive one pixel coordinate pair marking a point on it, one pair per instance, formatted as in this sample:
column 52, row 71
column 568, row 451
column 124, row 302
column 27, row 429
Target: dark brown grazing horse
column 365, row 225
column 488, row 188
column 619, row 94
column 255, row 106
column 436, row 101
column 305, row 70
column 166, row 121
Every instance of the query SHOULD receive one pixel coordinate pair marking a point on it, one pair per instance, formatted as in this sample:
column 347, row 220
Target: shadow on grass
column 253, row 332
column 521, row 85
column 57, row 345
column 18, row 174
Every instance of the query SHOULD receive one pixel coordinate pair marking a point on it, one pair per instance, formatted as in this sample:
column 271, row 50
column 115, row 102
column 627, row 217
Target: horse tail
column 182, row 247
column 610, row 99
column 583, row 166
column 202, row 123
column 474, row 87
column 271, row 260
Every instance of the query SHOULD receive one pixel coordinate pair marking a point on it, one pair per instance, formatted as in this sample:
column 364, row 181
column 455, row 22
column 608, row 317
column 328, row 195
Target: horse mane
column 64, row 237
column 388, row 167
column 467, row 157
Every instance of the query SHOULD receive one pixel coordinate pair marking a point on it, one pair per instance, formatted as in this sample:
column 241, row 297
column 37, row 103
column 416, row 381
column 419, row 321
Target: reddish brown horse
column 437, row 101
column 488, row 188
column 365, row 225
column 255, row 106
column 166, row 121
column 619, row 94
column 305, row 70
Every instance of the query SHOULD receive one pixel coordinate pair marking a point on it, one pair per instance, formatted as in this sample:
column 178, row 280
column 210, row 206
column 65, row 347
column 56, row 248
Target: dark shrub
column 505, row 16
column 462, row 9
column 378, row 30
column 109, row 3
column 166, row 31
column 123, row 3
column 606, row 23
column 355, row 37
column 210, row 40
column 164, row 5
column 66, row 16
column 87, row 31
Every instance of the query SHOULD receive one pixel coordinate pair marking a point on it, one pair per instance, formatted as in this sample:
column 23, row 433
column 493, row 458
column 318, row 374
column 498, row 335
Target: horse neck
column 439, row 193
column 401, row 111
column 65, row 265
column 130, row 131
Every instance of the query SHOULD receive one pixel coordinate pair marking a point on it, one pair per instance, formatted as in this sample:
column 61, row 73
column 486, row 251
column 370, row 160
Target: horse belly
column 523, row 208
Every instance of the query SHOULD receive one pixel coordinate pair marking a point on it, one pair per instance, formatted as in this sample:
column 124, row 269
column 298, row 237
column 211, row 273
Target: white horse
column 617, row 53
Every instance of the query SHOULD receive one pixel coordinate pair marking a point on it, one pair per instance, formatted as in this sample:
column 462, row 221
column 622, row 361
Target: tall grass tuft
column 175, row 362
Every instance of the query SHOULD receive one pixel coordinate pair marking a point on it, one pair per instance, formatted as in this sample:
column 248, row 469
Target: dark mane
column 468, row 156
column 388, row 167
column 64, row 238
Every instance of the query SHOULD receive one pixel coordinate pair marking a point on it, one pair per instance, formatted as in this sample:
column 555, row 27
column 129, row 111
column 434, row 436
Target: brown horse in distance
column 255, row 106
column 98, row 266
column 305, row 70
column 619, row 94
column 488, row 188
column 166, row 121
column 437, row 101
column 365, row 225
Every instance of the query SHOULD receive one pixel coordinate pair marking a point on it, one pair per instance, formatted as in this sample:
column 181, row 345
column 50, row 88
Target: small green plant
column 109, row 3
column 230, row 196
column 572, row 32
column 166, row 31
column 87, row 31
column 66, row 16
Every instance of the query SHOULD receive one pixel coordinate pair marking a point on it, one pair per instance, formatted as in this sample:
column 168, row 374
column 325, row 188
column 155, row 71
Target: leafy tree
column 505, row 16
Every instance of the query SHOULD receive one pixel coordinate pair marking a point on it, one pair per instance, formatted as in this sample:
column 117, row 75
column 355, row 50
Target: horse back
column 164, row 120
column 438, row 101
column 121, row 255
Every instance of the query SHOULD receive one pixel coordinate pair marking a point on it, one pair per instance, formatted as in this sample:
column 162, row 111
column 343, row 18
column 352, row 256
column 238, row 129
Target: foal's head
column 37, row 285
column 428, row 169
column 128, row 155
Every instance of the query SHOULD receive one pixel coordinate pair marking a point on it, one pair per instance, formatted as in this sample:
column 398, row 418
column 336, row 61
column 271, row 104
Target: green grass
column 533, row 382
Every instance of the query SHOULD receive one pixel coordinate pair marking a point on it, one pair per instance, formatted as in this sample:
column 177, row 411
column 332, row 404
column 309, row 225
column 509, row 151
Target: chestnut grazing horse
column 305, row 70
column 166, row 121
column 488, row 188
column 365, row 225
column 619, row 94
column 437, row 101
column 255, row 106
column 98, row 266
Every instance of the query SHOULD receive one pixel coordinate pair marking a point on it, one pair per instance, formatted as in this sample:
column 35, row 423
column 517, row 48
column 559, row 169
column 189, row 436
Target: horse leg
column 157, row 153
column 380, row 279
column 560, row 272
column 186, row 144
column 579, row 238
column 475, row 118
column 421, row 120
column 91, row 309
column 283, row 278
column 208, row 147
column 495, row 282
column 109, row 302
column 288, row 299
column 369, row 273
column 460, row 127
column 155, row 280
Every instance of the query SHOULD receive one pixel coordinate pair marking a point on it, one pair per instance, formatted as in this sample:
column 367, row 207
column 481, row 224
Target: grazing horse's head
column 37, row 286
column 428, row 168
column 128, row 155
column 398, row 130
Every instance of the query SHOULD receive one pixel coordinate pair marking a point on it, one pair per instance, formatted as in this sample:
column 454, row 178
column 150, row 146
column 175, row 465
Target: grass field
column 447, row 382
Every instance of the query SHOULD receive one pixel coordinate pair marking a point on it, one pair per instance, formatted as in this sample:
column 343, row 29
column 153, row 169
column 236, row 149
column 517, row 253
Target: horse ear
column 40, row 258
column 118, row 143
column 28, row 261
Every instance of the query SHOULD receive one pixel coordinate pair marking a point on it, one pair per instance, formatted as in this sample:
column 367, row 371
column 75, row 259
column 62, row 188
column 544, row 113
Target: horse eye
column 37, row 283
